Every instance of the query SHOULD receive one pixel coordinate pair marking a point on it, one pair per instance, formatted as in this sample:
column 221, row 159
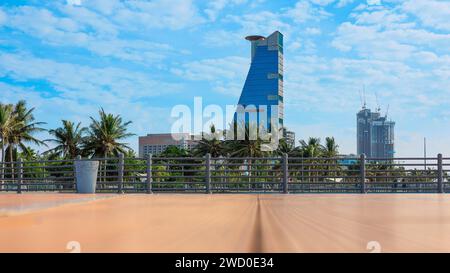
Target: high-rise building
column 289, row 136
column 375, row 134
column 263, row 86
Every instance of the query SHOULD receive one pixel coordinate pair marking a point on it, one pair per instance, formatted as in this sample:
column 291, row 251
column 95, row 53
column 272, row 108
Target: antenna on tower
column 387, row 111
column 361, row 98
column 364, row 96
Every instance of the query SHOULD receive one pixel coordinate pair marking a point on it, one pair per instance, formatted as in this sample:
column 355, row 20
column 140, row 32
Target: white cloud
column 322, row 2
column 295, row 45
column 2, row 17
column 387, row 34
column 313, row 31
column 210, row 69
column 284, row 20
column 75, row 30
column 373, row 2
column 106, row 7
column 343, row 3
column 432, row 13
column 260, row 23
column 304, row 11
column 74, row 2
column 226, row 75
column 80, row 82
column 380, row 18
column 214, row 7
column 171, row 14
column 368, row 43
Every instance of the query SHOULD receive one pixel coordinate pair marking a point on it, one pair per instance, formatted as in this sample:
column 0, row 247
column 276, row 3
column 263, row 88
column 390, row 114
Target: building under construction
column 375, row 134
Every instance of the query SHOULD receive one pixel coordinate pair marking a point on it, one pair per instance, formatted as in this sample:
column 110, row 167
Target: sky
column 140, row 58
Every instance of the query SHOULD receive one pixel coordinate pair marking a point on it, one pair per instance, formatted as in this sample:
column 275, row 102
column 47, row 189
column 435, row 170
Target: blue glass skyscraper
column 263, row 86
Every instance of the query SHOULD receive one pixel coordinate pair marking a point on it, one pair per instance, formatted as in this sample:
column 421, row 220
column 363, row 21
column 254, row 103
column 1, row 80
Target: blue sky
column 140, row 58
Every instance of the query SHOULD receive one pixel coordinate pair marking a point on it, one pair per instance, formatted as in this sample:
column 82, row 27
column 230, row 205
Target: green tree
column 30, row 155
column 68, row 139
column 23, row 129
column 286, row 148
column 210, row 144
column 105, row 135
column 104, row 138
column 6, row 127
column 331, row 149
column 312, row 148
column 249, row 146
column 174, row 151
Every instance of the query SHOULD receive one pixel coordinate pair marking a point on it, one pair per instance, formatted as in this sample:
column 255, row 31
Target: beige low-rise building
column 157, row 143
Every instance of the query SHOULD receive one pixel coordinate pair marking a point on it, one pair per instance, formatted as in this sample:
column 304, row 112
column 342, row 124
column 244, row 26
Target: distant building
column 375, row 134
column 157, row 143
column 289, row 136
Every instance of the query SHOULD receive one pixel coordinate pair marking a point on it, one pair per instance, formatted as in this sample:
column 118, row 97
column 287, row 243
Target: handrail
column 235, row 174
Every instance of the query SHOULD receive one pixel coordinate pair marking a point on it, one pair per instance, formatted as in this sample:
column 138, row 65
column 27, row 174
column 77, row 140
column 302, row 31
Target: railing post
column 2, row 177
column 149, row 174
column 440, row 174
column 285, row 173
column 120, row 168
column 19, row 175
column 208, row 173
column 75, row 172
column 362, row 169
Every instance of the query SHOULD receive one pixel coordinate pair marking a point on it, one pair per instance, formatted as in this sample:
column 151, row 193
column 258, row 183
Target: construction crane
column 362, row 97
column 377, row 101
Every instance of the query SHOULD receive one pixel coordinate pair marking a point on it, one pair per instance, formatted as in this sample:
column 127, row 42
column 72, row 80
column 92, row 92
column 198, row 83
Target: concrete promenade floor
column 224, row 223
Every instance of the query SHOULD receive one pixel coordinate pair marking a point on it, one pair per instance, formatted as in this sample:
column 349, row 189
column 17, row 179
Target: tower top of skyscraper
column 255, row 38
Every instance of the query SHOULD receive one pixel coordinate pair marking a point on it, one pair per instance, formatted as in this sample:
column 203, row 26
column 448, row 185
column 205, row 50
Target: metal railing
column 236, row 175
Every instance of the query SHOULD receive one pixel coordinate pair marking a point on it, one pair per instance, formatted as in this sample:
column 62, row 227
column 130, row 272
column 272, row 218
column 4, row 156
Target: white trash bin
column 86, row 175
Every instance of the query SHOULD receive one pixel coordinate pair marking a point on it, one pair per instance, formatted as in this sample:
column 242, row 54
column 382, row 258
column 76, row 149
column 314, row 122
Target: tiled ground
column 224, row 223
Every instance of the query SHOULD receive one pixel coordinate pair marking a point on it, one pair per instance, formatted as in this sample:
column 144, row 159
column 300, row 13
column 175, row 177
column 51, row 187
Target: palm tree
column 286, row 148
column 6, row 126
column 68, row 140
column 247, row 147
column 104, row 135
column 29, row 155
column 210, row 144
column 312, row 148
column 331, row 148
column 23, row 128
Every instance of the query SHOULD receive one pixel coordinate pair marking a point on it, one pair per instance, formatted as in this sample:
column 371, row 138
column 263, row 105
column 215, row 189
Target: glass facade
column 375, row 135
column 263, row 86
